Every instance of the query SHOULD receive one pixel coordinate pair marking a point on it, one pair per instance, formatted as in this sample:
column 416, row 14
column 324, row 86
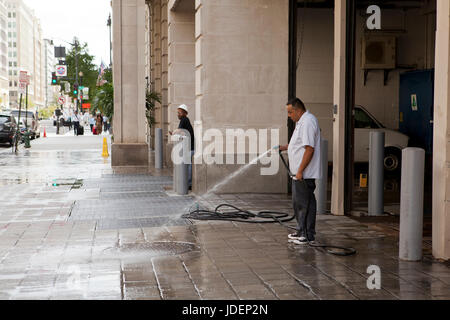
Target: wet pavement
column 72, row 228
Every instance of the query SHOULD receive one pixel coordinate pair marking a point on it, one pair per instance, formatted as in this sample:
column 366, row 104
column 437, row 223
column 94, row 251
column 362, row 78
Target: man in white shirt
column 304, row 163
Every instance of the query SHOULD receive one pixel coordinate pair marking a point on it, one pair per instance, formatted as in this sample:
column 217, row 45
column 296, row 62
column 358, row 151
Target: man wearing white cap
column 185, row 124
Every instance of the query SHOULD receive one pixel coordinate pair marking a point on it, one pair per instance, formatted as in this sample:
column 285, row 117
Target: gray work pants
column 305, row 207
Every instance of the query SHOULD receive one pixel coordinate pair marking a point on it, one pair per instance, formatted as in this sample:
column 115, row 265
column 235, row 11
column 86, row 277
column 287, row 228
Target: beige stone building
column 235, row 63
column 4, row 83
column 25, row 52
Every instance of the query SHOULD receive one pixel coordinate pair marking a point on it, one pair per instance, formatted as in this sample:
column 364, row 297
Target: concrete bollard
column 376, row 174
column 158, row 148
column 180, row 158
column 411, row 204
column 322, row 184
column 182, row 187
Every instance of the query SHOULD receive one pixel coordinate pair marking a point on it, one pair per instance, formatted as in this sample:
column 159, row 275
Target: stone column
column 338, row 187
column 129, row 147
column 164, row 77
column 181, row 63
column 241, row 81
column 441, row 153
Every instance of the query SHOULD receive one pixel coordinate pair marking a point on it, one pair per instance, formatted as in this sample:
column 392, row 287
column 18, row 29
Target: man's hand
column 284, row 148
column 299, row 176
column 170, row 132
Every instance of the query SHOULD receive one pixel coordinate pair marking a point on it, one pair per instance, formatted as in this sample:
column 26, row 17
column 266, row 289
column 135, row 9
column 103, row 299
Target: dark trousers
column 76, row 125
column 92, row 127
column 305, row 207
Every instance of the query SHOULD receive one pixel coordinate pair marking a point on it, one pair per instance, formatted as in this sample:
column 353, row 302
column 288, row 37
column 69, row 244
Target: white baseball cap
column 183, row 107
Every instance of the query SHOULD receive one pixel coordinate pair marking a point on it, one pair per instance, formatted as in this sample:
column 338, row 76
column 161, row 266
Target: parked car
column 31, row 120
column 395, row 141
column 8, row 128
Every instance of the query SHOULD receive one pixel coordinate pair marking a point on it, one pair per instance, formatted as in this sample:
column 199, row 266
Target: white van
column 395, row 141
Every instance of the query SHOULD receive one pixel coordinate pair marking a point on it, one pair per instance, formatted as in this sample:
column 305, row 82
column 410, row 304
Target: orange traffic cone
column 45, row 133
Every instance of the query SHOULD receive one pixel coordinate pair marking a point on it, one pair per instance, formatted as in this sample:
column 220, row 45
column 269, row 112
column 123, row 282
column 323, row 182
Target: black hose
column 239, row 215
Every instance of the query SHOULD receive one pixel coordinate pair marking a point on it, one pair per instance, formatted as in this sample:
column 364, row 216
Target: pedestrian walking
column 85, row 119
column 106, row 123
column 92, row 122
column 185, row 124
column 76, row 123
column 99, row 124
column 304, row 162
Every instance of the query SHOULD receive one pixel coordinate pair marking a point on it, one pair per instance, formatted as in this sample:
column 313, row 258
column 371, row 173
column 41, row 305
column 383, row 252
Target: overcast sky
column 85, row 19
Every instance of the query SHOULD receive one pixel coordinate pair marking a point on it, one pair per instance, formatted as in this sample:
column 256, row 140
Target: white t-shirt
column 307, row 133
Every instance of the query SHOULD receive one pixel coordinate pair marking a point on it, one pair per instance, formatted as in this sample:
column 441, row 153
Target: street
column 72, row 228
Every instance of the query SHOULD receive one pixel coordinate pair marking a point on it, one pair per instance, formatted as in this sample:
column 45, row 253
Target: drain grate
column 154, row 249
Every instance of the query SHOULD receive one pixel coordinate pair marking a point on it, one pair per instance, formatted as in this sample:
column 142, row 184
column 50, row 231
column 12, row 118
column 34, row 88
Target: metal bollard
column 322, row 184
column 411, row 204
column 376, row 174
column 158, row 148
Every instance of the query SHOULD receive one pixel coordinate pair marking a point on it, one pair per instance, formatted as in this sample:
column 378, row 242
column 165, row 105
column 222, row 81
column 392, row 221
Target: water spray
column 227, row 212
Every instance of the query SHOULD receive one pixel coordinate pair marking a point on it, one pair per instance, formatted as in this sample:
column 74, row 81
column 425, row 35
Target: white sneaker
column 295, row 236
column 301, row 240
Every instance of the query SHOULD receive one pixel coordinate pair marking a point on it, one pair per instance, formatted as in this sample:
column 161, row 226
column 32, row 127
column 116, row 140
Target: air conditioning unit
column 379, row 52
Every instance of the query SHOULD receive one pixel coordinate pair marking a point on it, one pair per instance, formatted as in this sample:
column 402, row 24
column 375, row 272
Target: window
column 10, row 64
column 15, row 83
column 15, row 72
column 10, row 83
column 14, row 14
column 15, row 44
column 9, row 14
column 364, row 121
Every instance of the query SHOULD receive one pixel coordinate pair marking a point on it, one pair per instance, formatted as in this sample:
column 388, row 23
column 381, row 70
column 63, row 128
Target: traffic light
column 54, row 79
column 75, row 89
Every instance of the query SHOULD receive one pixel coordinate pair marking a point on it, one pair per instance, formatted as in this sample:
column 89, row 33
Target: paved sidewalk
column 71, row 228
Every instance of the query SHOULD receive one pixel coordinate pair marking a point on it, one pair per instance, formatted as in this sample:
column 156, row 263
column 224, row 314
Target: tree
column 151, row 98
column 85, row 65
column 104, row 100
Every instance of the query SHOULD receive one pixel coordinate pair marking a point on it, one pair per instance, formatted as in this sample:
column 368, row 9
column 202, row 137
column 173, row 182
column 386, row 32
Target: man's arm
column 307, row 157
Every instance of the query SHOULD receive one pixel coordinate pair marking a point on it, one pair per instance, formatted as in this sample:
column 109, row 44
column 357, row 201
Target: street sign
column 60, row 52
column 61, row 71
column 86, row 106
column 23, row 76
column 62, row 100
column 22, row 87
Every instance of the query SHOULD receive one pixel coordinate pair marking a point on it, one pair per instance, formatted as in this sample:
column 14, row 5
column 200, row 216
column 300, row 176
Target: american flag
column 101, row 72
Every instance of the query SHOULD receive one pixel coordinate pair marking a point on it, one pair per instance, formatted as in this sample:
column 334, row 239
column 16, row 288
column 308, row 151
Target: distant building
column 4, row 81
column 25, row 53
column 49, row 67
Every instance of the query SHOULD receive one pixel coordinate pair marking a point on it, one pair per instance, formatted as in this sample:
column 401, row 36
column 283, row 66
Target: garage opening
column 393, row 90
